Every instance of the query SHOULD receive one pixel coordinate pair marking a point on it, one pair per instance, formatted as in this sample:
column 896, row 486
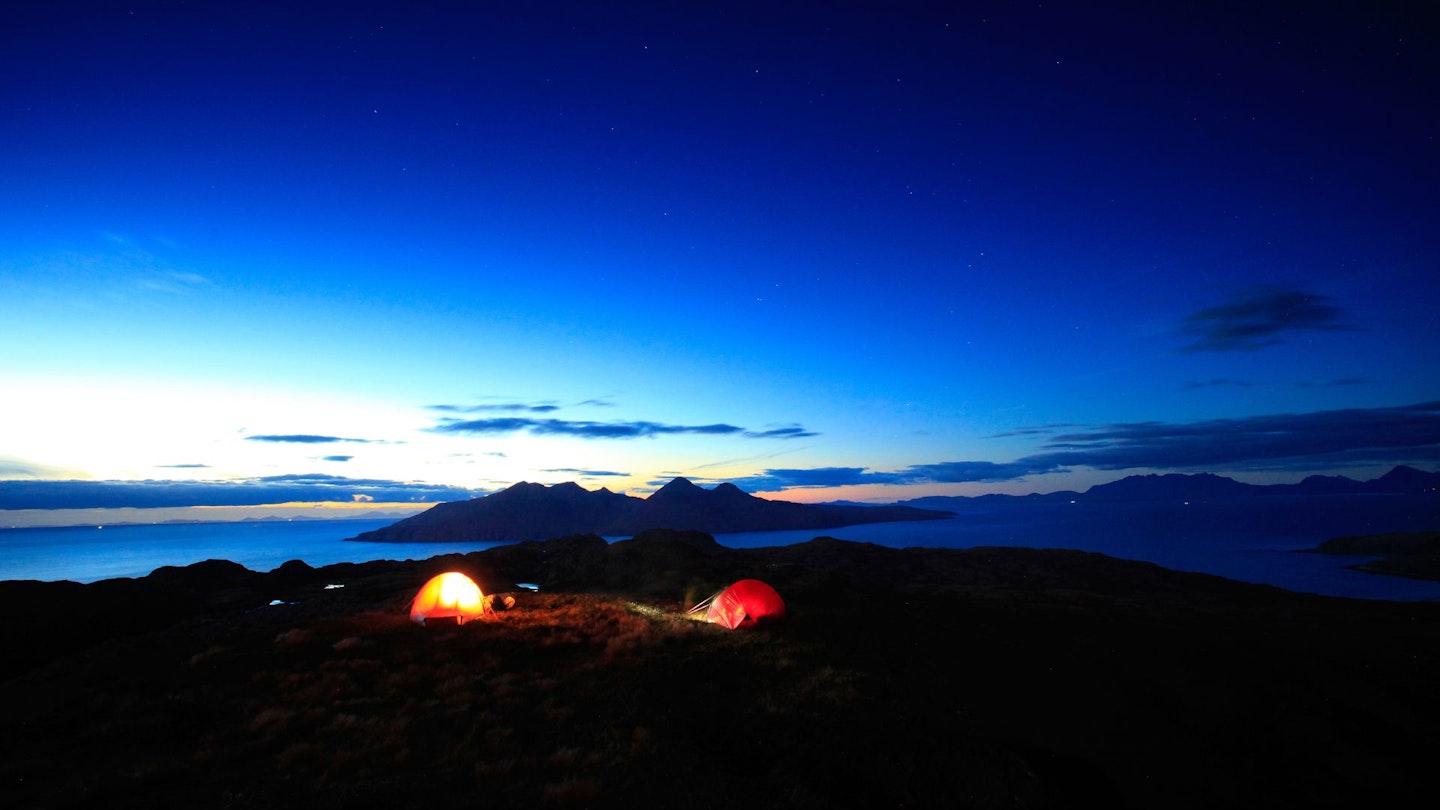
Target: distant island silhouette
column 529, row 511
column 1400, row 480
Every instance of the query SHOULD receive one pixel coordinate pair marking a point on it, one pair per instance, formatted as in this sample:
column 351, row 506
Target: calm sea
column 1252, row 541
column 86, row 554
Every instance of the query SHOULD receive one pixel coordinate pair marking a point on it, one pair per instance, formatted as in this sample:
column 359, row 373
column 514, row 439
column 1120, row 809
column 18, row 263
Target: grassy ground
column 963, row 679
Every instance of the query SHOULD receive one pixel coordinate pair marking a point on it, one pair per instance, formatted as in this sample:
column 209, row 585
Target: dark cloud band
column 1285, row 442
column 791, row 432
column 305, row 438
column 1259, row 318
column 1281, row 441
column 511, row 407
column 577, row 429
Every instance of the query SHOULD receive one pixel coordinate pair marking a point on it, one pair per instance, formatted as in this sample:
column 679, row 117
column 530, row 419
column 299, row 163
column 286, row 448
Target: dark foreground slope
column 917, row 677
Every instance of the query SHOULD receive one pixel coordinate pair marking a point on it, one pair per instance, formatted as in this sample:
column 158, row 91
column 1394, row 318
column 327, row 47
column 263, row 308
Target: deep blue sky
column 873, row 251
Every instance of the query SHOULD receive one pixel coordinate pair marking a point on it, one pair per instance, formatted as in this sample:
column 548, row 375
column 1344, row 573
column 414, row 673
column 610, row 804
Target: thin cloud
column 790, row 432
column 1278, row 442
column 1343, row 382
column 174, row 282
column 511, row 407
column 588, row 429
column 577, row 429
column 1260, row 318
column 1216, row 382
column 245, row 492
column 336, row 458
column 730, row 462
column 625, row 430
column 948, row 472
column 484, row 427
column 827, row 476
column 307, row 438
column 1037, row 430
column 966, row 472
column 321, row 479
column 183, row 466
column 586, row 473
column 822, row 477
column 12, row 467
column 665, row 478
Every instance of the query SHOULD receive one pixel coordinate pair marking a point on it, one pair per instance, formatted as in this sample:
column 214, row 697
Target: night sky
column 263, row 252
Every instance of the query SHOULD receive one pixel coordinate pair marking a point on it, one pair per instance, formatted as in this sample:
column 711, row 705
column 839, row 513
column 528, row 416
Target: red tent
column 742, row 604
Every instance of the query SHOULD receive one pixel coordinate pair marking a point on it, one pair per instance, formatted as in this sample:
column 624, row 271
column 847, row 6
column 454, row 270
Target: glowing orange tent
column 451, row 595
column 742, row 605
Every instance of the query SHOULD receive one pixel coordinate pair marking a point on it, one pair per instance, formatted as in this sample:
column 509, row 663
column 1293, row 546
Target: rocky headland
column 1401, row 554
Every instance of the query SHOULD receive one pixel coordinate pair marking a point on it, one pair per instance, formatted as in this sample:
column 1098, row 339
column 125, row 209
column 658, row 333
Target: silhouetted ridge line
column 1401, row 480
column 529, row 511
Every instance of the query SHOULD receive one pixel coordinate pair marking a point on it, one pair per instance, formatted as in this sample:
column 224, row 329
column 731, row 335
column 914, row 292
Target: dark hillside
column 989, row 678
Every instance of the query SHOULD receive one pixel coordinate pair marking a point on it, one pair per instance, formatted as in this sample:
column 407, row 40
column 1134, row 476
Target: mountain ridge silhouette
column 530, row 511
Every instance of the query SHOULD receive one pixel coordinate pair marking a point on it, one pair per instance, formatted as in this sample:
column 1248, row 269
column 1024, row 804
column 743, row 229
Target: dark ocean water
column 89, row 553
column 1253, row 540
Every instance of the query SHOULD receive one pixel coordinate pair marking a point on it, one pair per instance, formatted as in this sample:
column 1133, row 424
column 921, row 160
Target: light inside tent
column 450, row 595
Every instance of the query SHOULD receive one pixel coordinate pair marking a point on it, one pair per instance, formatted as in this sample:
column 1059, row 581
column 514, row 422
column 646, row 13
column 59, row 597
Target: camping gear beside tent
column 450, row 595
column 742, row 605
